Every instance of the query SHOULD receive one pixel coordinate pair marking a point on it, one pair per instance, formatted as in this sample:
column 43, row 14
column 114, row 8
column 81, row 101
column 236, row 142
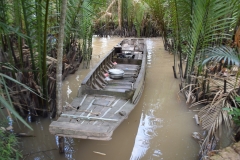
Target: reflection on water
column 69, row 148
column 159, row 127
column 146, row 131
column 68, row 91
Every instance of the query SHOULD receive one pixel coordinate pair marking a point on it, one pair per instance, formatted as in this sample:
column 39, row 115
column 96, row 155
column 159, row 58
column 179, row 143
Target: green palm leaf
column 11, row 109
column 8, row 103
column 210, row 22
column 225, row 53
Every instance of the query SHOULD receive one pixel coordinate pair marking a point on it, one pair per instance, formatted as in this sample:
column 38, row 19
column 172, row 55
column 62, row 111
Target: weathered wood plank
column 106, row 138
column 116, row 90
column 132, row 66
column 88, row 118
column 64, row 119
column 67, row 128
column 119, row 87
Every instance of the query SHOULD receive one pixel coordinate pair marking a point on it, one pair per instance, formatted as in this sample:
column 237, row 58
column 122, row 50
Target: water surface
column 159, row 127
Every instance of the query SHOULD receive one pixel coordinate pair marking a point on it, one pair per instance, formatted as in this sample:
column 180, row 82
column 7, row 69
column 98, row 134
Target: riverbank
column 232, row 153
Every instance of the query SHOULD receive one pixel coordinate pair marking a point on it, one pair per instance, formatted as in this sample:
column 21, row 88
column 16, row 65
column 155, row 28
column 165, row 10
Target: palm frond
column 225, row 53
column 212, row 117
column 7, row 102
column 210, row 22
column 139, row 15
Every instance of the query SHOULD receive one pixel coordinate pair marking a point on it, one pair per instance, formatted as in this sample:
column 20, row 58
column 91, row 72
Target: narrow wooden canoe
column 102, row 104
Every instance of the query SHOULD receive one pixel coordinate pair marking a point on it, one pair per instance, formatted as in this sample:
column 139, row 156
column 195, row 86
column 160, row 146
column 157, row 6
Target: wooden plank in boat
column 64, row 119
column 127, row 61
column 109, row 113
column 123, row 85
column 128, row 66
column 116, row 90
column 101, row 110
column 76, row 102
column 98, row 105
column 127, row 48
column 101, row 102
column 89, row 114
column 120, row 82
column 126, row 79
column 70, row 112
column 128, row 69
column 85, row 104
column 114, row 114
column 105, row 138
column 126, row 87
column 126, row 108
column 67, row 128
column 130, row 72
column 118, row 105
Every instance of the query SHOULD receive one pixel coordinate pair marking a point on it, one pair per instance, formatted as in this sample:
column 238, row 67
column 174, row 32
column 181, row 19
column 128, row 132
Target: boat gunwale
column 85, row 80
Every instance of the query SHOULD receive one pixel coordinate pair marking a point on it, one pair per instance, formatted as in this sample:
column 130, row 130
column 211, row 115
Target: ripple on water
column 157, row 153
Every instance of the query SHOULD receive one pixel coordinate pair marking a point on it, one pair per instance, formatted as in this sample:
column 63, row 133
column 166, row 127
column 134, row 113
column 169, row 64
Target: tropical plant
column 8, row 143
column 211, row 25
column 5, row 99
column 202, row 31
column 235, row 113
column 226, row 53
column 139, row 10
column 35, row 15
column 158, row 12
column 212, row 117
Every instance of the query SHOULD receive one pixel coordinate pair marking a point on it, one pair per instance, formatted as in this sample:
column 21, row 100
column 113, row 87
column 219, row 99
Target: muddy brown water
column 159, row 127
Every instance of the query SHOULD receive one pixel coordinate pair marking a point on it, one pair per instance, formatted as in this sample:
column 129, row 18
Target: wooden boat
column 103, row 103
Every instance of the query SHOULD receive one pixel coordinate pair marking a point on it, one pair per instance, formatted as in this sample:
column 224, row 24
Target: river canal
column 159, row 128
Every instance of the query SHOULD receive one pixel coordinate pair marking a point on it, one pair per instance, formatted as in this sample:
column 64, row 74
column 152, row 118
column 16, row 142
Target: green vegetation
column 201, row 32
column 8, row 143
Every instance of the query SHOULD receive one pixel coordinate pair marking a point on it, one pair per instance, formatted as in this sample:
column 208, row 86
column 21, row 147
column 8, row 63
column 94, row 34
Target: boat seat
column 116, row 89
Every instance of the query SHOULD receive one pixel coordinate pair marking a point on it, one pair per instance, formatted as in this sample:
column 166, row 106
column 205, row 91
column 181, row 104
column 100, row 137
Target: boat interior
column 126, row 56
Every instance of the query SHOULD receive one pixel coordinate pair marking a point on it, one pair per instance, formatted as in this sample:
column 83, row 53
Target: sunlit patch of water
column 104, row 41
column 69, row 91
column 69, row 148
column 77, row 78
column 146, row 132
column 157, row 153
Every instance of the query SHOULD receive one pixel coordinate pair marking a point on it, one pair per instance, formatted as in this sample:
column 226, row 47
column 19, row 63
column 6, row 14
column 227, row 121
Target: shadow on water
column 159, row 127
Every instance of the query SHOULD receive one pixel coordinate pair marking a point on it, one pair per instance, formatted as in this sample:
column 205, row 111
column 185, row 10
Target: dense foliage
column 8, row 144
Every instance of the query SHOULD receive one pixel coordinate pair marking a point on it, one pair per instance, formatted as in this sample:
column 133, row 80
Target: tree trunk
column 107, row 11
column 59, row 67
column 120, row 14
column 44, row 63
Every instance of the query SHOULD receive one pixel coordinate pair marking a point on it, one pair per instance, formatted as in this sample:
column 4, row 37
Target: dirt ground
column 229, row 153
